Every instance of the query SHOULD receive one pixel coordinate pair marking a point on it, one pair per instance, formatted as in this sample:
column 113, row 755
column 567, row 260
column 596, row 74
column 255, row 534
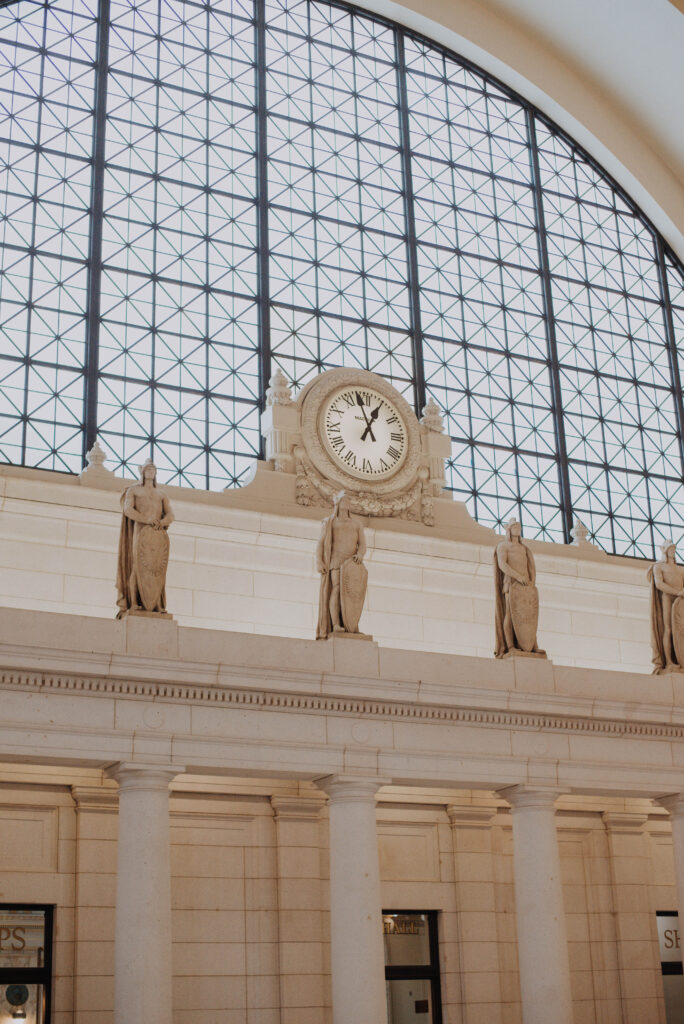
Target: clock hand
column 369, row 429
column 373, row 418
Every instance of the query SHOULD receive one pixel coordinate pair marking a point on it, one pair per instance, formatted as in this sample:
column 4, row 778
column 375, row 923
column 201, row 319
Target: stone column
column 542, row 937
column 635, row 921
column 142, row 941
column 356, row 945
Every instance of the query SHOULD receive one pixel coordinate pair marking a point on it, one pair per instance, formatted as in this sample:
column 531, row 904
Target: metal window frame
column 422, row 972
column 533, row 115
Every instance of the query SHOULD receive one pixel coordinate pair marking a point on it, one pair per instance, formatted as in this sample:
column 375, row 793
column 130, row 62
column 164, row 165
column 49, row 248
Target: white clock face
column 364, row 432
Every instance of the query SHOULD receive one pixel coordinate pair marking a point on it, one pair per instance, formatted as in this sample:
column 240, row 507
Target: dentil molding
column 279, row 700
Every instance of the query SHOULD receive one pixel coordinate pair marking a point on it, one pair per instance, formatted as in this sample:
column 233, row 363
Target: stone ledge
column 104, row 686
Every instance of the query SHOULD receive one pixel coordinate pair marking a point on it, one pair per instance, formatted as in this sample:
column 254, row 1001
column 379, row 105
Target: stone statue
column 143, row 546
column 339, row 560
column 666, row 580
column 516, row 596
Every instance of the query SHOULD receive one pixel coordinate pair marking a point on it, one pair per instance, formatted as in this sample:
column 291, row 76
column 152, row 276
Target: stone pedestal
column 142, row 945
column 356, row 945
column 542, row 936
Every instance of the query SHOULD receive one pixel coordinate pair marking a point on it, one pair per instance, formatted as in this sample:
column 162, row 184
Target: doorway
column 412, row 967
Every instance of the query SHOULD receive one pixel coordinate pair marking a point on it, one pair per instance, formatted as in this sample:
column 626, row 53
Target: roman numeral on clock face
column 364, row 432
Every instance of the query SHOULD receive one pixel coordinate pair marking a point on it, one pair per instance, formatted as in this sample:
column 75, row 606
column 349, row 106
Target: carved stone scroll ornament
column 516, row 597
column 143, row 547
column 666, row 581
column 415, row 503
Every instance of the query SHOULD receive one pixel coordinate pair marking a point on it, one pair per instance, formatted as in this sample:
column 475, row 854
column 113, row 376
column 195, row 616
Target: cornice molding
column 298, row 808
column 624, row 822
column 95, row 798
column 304, row 703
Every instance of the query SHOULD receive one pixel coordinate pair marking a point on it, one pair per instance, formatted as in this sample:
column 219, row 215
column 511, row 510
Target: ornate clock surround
column 314, row 397
column 294, row 445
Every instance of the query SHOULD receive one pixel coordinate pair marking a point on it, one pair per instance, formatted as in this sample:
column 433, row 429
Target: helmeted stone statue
column 143, row 546
column 344, row 578
column 516, row 596
column 666, row 580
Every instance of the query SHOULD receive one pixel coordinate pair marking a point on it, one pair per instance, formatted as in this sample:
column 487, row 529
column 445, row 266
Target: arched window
column 192, row 193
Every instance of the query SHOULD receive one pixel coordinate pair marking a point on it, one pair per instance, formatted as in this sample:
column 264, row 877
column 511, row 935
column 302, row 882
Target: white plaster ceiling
column 633, row 49
column 611, row 72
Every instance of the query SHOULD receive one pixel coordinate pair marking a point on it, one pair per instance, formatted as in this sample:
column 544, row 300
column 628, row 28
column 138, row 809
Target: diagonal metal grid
column 194, row 193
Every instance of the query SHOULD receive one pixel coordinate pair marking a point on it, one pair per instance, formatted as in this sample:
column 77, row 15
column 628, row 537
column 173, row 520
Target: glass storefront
column 671, row 965
column 25, row 963
column 412, row 967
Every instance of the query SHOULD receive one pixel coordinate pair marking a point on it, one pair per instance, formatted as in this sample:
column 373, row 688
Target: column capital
column 624, row 821
column 351, row 788
column 541, row 797
column 143, row 777
column 470, row 815
column 95, row 798
column 673, row 804
column 298, row 808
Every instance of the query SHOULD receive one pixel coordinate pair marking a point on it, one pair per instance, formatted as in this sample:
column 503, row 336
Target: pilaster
column 477, row 981
column 300, row 930
column 635, row 922
column 95, row 898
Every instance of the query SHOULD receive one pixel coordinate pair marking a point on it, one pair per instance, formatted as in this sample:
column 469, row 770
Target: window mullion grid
column 671, row 345
column 416, row 331
column 640, row 419
column 207, row 252
column 507, row 352
column 605, row 465
column 94, row 279
column 153, row 441
column 263, row 297
column 32, row 243
column 315, row 219
column 466, row 383
column 547, row 298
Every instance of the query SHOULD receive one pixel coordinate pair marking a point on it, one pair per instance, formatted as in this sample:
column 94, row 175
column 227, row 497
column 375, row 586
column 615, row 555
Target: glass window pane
column 395, row 233
column 409, row 1000
column 407, row 939
column 22, row 938
column 24, row 1003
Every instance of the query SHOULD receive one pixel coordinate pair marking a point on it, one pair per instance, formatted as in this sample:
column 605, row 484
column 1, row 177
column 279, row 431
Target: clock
column 364, row 432
column 350, row 429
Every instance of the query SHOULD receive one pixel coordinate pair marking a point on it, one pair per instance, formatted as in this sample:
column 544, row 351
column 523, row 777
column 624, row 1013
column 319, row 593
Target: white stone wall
column 253, row 571
column 250, row 904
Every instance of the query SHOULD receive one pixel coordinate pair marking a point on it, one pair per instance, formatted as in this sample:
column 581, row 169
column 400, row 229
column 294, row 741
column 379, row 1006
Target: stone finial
column 579, row 533
column 96, row 457
column 432, row 417
column 278, row 391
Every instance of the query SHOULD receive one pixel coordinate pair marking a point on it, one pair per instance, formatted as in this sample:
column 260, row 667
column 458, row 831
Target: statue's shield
column 150, row 558
column 353, row 583
column 524, row 612
column 678, row 629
